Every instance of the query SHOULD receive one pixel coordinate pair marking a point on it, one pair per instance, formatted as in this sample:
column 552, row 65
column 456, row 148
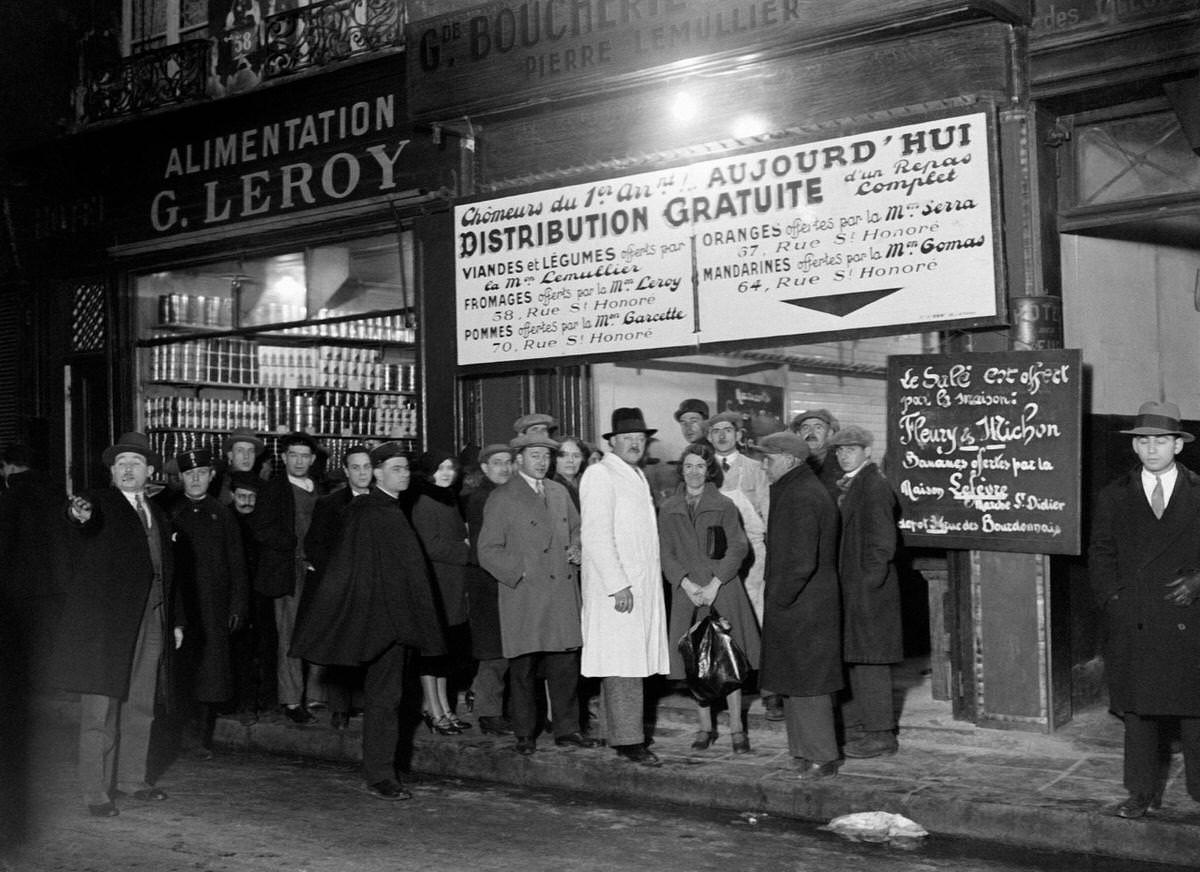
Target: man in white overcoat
column 624, row 616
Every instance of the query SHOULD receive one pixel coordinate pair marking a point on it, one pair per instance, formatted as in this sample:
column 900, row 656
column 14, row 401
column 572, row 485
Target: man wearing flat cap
column 530, row 545
column 280, row 522
column 534, row 424
column 211, row 578
column 120, row 619
column 624, row 614
column 240, row 450
column 801, row 633
column 1144, row 566
column 745, row 482
column 375, row 608
column 816, row 427
column 872, row 638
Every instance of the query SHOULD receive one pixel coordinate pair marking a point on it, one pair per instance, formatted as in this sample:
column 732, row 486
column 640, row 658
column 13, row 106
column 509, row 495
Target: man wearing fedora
column 1144, row 564
column 280, row 522
column 530, row 544
column 624, row 615
column 119, row 621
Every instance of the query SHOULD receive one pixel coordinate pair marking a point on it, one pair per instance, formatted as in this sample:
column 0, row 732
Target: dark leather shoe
column 639, row 754
column 526, row 745
column 339, row 720
column 494, row 726
column 773, row 707
column 741, row 743
column 575, row 740
column 1137, row 804
column 807, row 770
column 298, row 714
column 878, row 743
column 150, row 794
column 389, row 789
column 104, row 809
column 703, row 740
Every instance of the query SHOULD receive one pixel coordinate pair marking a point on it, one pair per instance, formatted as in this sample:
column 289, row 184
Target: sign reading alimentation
column 878, row 231
column 984, row 449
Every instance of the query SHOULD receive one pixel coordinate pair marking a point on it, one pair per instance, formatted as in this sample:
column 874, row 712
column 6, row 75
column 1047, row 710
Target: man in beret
column 815, row 427
column 530, row 545
column 1144, row 563
column 872, row 637
column 211, row 577
column 486, row 696
column 375, row 608
column 534, row 424
column 624, row 614
column 801, row 634
column 120, row 619
column 280, row 522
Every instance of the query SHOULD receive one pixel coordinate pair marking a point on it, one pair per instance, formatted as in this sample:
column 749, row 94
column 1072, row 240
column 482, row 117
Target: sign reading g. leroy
column 278, row 157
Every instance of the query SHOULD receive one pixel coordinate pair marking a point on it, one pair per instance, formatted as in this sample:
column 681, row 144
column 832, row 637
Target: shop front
column 758, row 205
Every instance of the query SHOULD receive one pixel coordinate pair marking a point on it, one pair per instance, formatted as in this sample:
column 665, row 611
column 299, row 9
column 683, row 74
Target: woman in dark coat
column 443, row 533
column 703, row 567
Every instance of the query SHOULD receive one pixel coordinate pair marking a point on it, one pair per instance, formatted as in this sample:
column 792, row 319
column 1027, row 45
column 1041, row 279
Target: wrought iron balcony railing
column 162, row 77
column 242, row 59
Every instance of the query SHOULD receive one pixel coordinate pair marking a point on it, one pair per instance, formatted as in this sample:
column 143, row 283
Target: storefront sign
column 878, row 231
column 275, row 154
column 984, row 449
column 508, row 51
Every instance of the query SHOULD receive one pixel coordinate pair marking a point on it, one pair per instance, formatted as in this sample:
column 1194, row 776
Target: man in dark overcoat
column 324, row 533
column 117, row 625
column 483, row 600
column 375, row 608
column 801, row 634
column 872, row 638
column 1144, row 564
column 280, row 522
column 213, row 584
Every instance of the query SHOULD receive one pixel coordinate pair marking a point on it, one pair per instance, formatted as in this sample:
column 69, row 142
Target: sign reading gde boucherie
column 508, row 52
column 879, row 231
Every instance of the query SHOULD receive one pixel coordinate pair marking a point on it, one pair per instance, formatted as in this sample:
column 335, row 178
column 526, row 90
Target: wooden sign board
column 984, row 449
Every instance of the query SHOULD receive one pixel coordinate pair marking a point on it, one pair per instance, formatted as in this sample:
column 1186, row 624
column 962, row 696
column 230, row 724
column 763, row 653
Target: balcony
column 241, row 59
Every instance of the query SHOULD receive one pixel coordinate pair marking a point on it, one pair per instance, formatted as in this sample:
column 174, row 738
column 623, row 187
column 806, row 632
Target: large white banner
column 873, row 231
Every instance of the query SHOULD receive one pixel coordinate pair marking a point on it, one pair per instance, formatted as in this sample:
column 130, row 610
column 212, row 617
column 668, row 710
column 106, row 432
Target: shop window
column 320, row 339
column 1128, row 159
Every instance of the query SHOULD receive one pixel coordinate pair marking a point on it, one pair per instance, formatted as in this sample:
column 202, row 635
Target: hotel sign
column 882, row 231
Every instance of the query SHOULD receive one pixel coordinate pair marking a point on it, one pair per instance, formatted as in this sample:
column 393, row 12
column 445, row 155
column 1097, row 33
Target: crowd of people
column 526, row 589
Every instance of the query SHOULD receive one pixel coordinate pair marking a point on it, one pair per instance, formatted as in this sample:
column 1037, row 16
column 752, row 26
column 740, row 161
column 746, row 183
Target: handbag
column 715, row 543
column 714, row 664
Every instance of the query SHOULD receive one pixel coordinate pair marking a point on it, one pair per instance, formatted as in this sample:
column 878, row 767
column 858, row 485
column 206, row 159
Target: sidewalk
column 1052, row 792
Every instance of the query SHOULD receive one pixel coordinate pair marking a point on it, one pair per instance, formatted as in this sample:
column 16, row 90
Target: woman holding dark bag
column 703, row 549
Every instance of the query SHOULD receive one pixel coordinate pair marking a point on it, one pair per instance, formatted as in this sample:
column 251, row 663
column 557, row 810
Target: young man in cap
column 117, row 625
column 486, row 696
column 530, row 545
column 624, row 614
column 1144, row 563
column 375, row 608
column 241, row 450
column 745, row 482
column 871, row 630
column 801, row 634
column 254, row 648
column 280, row 523
column 211, row 577
column 534, row 424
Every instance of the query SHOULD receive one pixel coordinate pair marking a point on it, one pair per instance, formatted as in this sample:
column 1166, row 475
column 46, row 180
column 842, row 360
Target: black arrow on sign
column 841, row 304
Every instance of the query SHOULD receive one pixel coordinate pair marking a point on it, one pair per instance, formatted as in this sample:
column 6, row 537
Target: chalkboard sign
column 984, row 449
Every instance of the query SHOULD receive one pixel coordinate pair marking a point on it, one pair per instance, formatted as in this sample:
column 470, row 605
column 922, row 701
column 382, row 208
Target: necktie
column 541, row 491
column 1157, row 504
column 140, row 505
